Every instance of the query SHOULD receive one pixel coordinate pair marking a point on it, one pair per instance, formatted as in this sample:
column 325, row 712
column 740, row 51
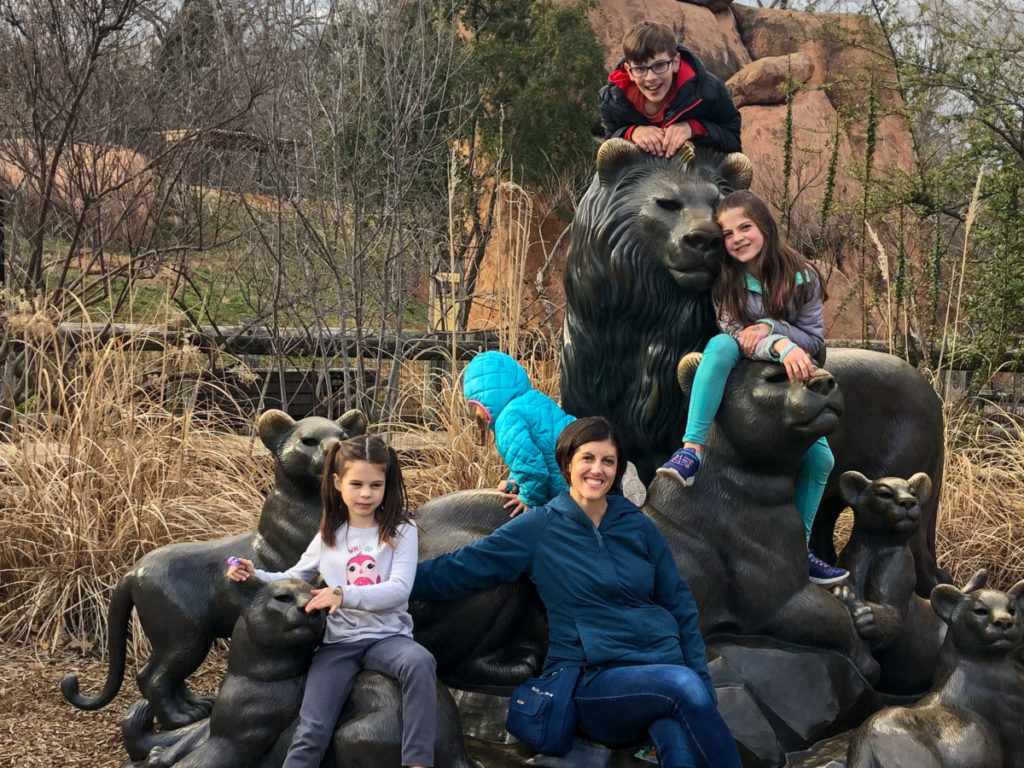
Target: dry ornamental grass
column 113, row 462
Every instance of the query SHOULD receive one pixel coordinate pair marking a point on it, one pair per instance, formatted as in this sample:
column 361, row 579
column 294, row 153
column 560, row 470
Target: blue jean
column 720, row 356
column 667, row 702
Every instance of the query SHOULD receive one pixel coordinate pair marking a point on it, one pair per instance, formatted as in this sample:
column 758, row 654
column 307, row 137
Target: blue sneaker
column 682, row 466
column 823, row 573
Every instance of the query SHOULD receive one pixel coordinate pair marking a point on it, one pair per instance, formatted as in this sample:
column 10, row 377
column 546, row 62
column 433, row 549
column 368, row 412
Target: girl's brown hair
column 392, row 511
column 779, row 263
column 481, row 419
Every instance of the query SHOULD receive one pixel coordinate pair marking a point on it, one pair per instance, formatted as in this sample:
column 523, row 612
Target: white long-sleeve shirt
column 376, row 580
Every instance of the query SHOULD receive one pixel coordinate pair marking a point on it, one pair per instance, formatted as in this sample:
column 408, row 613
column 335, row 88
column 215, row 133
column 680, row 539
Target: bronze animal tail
column 140, row 739
column 118, row 618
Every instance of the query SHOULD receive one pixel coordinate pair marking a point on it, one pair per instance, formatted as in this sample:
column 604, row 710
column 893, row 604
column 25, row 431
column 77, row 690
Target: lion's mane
column 618, row 359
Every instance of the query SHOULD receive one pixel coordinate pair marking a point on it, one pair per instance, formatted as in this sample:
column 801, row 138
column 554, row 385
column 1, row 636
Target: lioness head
column 276, row 615
column 767, row 419
column 981, row 621
column 887, row 504
column 300, row 447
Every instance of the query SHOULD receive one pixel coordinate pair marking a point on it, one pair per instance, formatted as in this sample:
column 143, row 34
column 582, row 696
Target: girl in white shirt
column 366, row 552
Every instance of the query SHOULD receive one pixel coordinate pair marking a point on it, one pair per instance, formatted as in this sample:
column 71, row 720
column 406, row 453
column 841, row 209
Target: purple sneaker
column 682, row 466
column 823, row 573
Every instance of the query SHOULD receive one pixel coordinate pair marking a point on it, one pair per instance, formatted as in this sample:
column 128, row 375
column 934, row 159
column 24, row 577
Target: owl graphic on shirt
column 362, row 571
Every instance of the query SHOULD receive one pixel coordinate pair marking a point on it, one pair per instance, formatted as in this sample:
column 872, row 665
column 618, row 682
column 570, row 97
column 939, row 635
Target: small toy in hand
column 233, row 561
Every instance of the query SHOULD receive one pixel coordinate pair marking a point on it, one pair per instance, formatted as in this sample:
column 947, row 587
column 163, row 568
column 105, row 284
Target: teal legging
column 720, row 356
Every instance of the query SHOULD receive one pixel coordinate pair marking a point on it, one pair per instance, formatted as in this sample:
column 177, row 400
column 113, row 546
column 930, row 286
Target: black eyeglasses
column 658, row 68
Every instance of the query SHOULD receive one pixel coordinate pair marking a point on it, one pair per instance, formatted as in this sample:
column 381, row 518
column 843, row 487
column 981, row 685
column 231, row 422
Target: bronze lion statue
column 643, row 254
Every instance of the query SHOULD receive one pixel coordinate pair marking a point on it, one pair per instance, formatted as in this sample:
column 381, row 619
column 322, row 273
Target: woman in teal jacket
column 526, row 424
column 616, row 605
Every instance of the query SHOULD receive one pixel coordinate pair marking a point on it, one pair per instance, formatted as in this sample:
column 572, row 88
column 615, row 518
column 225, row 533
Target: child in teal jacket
column 525, row 422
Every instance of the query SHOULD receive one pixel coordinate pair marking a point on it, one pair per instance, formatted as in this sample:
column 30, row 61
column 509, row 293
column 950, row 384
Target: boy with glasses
column 661, row 96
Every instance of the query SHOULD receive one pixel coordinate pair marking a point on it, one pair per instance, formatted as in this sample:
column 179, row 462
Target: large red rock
column 712, row 36
column 764, row 81
column 109, row 192
column 845, row 49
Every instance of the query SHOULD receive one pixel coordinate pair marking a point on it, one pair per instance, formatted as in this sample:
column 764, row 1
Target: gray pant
column 329, row 682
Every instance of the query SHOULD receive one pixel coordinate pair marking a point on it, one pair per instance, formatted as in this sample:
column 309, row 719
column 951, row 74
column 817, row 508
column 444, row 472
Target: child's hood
column 493, row 379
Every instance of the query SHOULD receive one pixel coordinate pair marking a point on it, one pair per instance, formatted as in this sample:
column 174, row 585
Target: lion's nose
column 1002, row 619
column 821, row 382
column 707, row 242
column 702, row 239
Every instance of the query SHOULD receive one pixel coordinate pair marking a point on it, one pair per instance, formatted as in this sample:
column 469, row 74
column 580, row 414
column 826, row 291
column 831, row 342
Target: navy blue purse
column 542, row 711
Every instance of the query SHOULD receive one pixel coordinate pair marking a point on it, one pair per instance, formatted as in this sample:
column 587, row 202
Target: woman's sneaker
column 823, row 573
column 682, row 466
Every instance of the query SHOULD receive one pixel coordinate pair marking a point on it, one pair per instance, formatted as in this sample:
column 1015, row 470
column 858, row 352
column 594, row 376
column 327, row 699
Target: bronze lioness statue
column 255, row 713
column 271, row 647
column 490, row 640
column 180, row 592
column 643, row 254
column 904, row 632
column 737, row 537
column 974, row 715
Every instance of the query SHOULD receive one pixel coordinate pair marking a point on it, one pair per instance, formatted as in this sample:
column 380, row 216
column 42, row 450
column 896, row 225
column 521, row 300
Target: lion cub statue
column 904, row 632
column 974, row 715
column 180, row 591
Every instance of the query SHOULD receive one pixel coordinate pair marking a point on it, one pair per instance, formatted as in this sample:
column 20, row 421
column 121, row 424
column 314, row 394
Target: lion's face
column 760, row 400
column 277, row 616
column 670, row 204
column 888, row 504
column 983, row 621
column 675, row 222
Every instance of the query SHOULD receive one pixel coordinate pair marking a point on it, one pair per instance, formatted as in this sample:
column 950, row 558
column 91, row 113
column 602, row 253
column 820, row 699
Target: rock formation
column 831, row 59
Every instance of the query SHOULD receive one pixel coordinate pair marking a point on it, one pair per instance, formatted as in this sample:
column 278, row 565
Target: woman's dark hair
column 778, row 264
column 591, row 429
column 392, row 510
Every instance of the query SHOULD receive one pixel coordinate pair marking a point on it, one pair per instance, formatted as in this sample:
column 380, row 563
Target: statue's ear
column 354, row 422
column 686, row 370
column 977, row 581
column 945, row 598
column 737, row 172
column 851, row 486
column 1016, row 594
column 921, row 487
column 614, row 156
column 244, row 592
column 272, row 427
column 686, row 157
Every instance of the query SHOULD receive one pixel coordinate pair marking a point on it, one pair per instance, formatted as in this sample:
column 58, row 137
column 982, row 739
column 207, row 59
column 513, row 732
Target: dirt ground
column 39, row 728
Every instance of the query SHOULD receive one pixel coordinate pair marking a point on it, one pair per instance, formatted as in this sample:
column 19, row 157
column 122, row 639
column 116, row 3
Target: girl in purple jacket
column 770, row 305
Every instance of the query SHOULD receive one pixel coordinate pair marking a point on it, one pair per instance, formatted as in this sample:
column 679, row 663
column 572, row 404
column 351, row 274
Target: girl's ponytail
column 392, row 511
column 334, row 510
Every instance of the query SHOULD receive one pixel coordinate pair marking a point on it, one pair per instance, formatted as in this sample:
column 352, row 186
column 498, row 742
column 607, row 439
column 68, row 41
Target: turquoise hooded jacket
column 526, row 423
column 612, row 593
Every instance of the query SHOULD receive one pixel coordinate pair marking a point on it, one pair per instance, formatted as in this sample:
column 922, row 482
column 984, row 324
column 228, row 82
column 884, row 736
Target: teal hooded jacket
column 526, row 423
column 613, row 594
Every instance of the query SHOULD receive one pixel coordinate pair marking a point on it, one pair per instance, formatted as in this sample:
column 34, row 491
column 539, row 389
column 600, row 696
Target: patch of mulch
column 40, row 729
